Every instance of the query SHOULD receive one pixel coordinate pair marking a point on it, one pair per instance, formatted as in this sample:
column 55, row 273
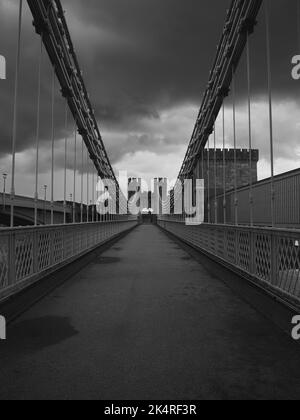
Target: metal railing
column 29, row 254
column 286, row 202
column 269, row 257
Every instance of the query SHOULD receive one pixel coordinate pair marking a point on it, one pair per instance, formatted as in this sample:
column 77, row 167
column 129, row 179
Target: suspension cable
column 74, row 180
column 82, row 183
column 298, row 26
column 208, row 180
column 93, row 196
column 234, row 147
column 268, row 41
column 202, row 157
column 215, row 176
column 52, row 144
column 251, row 200
column 65, row 168
column 224, row 168
column 36, row 193
column 87, row 184
column 15, row 114
column 97, row 196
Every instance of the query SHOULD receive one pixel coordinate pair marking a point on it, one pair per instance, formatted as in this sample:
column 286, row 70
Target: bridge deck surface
column 146, row 321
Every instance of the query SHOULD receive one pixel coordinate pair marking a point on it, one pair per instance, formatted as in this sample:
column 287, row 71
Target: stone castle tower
column 206, row 168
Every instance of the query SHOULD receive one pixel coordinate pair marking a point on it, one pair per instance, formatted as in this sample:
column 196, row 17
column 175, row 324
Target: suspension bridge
column 105, row 306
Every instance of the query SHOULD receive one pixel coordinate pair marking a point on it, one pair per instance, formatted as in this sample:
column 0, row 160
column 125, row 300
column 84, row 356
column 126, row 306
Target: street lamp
column 45, row 200
column 4, row 190
column 91, row 204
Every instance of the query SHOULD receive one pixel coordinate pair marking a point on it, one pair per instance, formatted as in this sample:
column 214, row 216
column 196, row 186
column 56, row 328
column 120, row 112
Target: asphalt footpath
column 145, row 321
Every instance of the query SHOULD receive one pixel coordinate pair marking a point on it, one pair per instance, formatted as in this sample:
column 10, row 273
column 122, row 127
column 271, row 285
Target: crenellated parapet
column 241, row 155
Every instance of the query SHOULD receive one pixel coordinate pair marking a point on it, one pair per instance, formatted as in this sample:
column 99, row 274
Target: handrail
column 28, row 254
column 269, row 257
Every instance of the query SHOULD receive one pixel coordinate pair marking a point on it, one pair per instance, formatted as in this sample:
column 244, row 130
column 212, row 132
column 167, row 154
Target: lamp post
column 92, row 207
column 70, row 205
column 4, row 190
column 45, row 200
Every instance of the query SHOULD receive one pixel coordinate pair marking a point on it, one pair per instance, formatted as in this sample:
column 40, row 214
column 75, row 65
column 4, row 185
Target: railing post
column 64, row 243
column 274, row 261
column 12, row 259
column 35, row 252
column 237, row 246
column 225, row 245
column 252, row 266
column 52, row 247
column 74, row 239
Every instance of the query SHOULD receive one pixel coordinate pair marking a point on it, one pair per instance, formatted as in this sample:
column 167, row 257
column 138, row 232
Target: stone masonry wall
column 243, row 168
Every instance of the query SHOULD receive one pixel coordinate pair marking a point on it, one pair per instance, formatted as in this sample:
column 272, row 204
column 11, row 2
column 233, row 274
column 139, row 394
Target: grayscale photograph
column 149, row 203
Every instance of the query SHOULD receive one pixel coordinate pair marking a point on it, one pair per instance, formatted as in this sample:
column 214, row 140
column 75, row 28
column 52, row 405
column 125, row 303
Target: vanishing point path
column 145, row 320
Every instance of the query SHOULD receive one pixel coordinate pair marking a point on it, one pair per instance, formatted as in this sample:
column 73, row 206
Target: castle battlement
column 241, row 169
column 242, row 155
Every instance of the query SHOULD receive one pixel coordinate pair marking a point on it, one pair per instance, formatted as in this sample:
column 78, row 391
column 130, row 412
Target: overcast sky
column 146, row 65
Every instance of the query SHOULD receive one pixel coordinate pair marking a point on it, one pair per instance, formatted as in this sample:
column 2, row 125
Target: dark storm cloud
column 27, row 105
column 284, row 42
column 153, row 54
column 150, row 54
column 139, row 57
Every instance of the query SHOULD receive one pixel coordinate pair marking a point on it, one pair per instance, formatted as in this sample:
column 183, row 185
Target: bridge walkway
column 146, row 321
